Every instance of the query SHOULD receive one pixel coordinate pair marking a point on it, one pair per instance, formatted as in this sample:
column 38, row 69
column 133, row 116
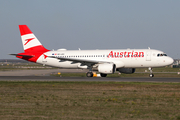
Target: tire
column 151, row 75
column 89, row 74
column 103, row 75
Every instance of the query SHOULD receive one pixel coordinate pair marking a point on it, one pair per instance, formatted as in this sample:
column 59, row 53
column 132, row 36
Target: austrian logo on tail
column 28, row 40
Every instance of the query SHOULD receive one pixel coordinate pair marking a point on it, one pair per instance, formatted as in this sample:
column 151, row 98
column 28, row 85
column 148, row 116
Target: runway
column 84, row 79
column 44, row 75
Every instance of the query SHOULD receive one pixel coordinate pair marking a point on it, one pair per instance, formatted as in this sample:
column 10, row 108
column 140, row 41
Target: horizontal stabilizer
column 22, row 55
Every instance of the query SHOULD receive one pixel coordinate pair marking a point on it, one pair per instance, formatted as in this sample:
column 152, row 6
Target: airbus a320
column 103, row 61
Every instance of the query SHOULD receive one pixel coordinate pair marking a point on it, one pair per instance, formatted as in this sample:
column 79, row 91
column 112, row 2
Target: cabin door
column 148, row 56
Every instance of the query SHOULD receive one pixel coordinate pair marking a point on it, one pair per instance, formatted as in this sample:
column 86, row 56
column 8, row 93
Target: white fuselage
column 122, row 58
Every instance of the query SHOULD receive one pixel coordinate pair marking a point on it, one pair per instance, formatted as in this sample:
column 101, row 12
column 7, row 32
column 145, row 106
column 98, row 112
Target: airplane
column 103, row 61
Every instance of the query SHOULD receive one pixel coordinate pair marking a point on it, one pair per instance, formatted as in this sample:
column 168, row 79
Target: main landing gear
column 103, row 75
column 151, row 74
column 90, row 74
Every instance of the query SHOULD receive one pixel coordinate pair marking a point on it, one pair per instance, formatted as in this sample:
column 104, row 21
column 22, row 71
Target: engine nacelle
column 107, row 68
column 126, row 70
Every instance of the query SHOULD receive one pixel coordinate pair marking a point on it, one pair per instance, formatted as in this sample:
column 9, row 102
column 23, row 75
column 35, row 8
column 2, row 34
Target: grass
column 161, row 69
column 24, row 66
column 89, row 100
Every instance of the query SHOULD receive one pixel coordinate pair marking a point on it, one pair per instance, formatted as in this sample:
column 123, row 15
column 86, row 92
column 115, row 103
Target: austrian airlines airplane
column 104, row 61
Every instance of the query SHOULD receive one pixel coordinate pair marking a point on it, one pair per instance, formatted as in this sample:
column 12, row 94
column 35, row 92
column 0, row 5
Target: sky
column 92, row 24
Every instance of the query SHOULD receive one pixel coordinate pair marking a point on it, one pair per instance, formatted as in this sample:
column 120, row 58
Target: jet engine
column 107, row 68
column 126, row 70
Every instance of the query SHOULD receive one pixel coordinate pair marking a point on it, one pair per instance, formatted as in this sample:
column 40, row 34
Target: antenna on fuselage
column 149, row 48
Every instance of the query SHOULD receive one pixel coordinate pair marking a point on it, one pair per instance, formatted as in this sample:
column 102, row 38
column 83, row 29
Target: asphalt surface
column 52, row 78
column 44, row 75
column 42, row 72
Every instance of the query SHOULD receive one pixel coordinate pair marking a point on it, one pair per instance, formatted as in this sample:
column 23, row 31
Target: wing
column 82, row 61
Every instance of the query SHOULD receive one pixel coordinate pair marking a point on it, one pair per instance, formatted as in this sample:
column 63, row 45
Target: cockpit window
column 162, row 54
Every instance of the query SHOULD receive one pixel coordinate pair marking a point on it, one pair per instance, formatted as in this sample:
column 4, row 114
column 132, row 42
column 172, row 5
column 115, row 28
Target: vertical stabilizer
column 29, row 40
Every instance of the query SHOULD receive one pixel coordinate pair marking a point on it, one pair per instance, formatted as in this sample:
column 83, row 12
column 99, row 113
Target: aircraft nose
column 170, row 61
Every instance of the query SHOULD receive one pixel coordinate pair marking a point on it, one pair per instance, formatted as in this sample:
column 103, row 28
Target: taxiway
column 44, row 75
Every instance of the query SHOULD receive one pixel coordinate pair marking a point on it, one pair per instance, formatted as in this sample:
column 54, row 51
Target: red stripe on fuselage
column 36, row 51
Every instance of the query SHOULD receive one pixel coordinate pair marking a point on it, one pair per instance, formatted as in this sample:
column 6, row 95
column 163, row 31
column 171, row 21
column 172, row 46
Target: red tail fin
column 29, row 40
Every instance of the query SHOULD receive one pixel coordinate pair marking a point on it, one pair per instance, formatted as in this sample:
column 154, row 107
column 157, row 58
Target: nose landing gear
column 151, row 74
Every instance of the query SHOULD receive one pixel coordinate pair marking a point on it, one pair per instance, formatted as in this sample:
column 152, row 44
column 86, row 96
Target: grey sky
column 92, row 24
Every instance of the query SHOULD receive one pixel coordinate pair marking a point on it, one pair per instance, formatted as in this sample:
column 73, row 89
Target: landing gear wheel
column 89, row 74
column 103, row 75
column 151, row 75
